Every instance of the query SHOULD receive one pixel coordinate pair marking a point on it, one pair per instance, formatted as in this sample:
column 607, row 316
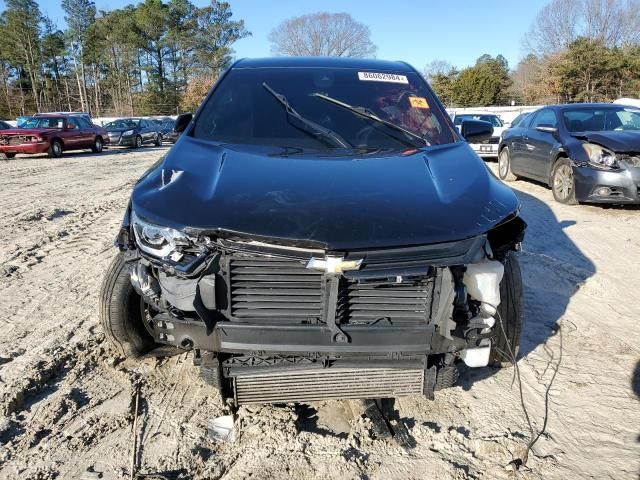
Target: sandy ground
column 66, row 403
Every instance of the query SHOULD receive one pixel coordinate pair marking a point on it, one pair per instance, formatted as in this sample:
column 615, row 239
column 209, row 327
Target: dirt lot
column 66, row 403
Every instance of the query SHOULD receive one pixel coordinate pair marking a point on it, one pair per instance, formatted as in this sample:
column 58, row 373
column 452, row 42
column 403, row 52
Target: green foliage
column 486, row 83
column 586, row 71
column 138, row 59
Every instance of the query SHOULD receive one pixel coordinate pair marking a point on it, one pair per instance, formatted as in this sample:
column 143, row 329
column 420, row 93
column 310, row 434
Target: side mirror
column 476, row 131
column 182, row 122
column 70, row 127
column 546, row 128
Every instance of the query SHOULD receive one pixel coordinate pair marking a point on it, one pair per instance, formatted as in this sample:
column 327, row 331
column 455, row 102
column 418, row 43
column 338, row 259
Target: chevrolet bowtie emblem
column 333, row 264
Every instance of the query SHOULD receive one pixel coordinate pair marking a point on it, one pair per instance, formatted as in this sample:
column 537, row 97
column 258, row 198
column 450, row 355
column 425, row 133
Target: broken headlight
column 157, row 240
column 600, row 157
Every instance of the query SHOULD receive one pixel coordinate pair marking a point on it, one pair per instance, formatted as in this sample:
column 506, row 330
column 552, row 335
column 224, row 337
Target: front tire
column 9, row 156
column 510, row 315
column 97, row 145
column 55, row 149
column 563, row 184
column 158, row 142
column 137, row 142
column 504, row 166
column 121, row 312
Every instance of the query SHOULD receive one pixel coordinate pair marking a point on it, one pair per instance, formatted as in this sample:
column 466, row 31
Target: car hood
column 619, row 142
column 435, row 195
column 30, row 131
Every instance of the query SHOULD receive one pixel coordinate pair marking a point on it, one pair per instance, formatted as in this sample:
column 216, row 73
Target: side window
column 144, row 123
column 72, row 121
column 545, row 117
column 84, row 123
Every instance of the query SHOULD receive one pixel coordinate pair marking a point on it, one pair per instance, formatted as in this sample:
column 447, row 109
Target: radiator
column 329, row 383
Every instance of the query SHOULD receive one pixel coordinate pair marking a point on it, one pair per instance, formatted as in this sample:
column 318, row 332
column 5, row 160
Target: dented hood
column 619, row 142
column 435, row 195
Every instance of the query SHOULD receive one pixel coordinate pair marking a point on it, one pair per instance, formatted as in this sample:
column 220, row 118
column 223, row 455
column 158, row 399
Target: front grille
column 330, row 383
column 264, row 288
column 632, row 160
column 393, row 303
column 492, row 141
column 13, row 139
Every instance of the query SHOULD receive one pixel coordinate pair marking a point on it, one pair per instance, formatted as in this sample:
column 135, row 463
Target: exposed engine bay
column 276, row 323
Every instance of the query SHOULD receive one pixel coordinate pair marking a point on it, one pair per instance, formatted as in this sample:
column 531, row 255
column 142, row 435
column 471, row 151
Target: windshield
column 492, row 119
column 516, row 121
column 43, row 122
column 123, row 123
column 243, row 111
column 602, row 119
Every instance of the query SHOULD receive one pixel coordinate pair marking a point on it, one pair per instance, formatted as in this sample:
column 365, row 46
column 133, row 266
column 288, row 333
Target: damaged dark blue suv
column 320, row 230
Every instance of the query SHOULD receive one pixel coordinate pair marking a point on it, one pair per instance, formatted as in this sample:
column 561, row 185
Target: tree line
column 162, row 56
column 156, row 57
column 578, row 51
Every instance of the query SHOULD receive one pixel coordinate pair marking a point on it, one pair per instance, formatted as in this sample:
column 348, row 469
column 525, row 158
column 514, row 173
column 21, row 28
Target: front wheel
column 9, row 156
column 55, row 149
column 158, row 142
column 122, row 312
column 137, row 142
column 563, row 183
column 97, row 145
column 504, row 166
column 509, row 317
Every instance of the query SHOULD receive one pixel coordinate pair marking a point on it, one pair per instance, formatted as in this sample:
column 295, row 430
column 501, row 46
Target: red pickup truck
column 53, row 134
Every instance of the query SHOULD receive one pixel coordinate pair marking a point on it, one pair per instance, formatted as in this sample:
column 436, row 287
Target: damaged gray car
column 320, row 230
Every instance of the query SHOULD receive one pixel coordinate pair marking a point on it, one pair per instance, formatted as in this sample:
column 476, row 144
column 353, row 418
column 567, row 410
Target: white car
column 488, row 148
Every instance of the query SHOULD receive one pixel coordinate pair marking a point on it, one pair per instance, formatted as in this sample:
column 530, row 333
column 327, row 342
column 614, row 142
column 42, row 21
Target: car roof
column 476, row 114
column 578, row 106
column 61, row 114
column 324, row 62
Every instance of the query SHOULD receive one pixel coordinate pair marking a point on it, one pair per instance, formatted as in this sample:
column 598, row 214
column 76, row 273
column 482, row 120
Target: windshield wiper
column 366, row 113
column 305, row 124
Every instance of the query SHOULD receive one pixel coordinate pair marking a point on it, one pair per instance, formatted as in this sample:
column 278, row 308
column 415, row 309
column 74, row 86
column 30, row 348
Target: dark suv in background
column 320, row 230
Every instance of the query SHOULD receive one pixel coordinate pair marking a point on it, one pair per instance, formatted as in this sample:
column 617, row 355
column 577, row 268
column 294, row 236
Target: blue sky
column 415, row 31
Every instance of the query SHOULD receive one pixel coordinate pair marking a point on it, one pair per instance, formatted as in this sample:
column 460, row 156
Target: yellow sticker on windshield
column 418, row 102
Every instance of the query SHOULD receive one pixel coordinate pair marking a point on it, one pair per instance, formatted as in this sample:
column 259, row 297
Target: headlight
column 600, row 157
column 157, row 240
column 127, row 133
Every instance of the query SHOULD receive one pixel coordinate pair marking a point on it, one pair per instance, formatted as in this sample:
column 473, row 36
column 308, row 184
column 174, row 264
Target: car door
column 72, row 136
column 515, row 140
column 146, row 131
column 540, row 144
column 152, row 128
column 87, row 133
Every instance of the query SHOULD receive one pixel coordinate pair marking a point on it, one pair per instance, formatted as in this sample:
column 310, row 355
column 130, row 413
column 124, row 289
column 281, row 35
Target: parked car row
column 54, row 133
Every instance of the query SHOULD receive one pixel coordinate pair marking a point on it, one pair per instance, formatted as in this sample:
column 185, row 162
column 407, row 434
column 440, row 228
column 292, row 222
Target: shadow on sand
column 553, row 269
